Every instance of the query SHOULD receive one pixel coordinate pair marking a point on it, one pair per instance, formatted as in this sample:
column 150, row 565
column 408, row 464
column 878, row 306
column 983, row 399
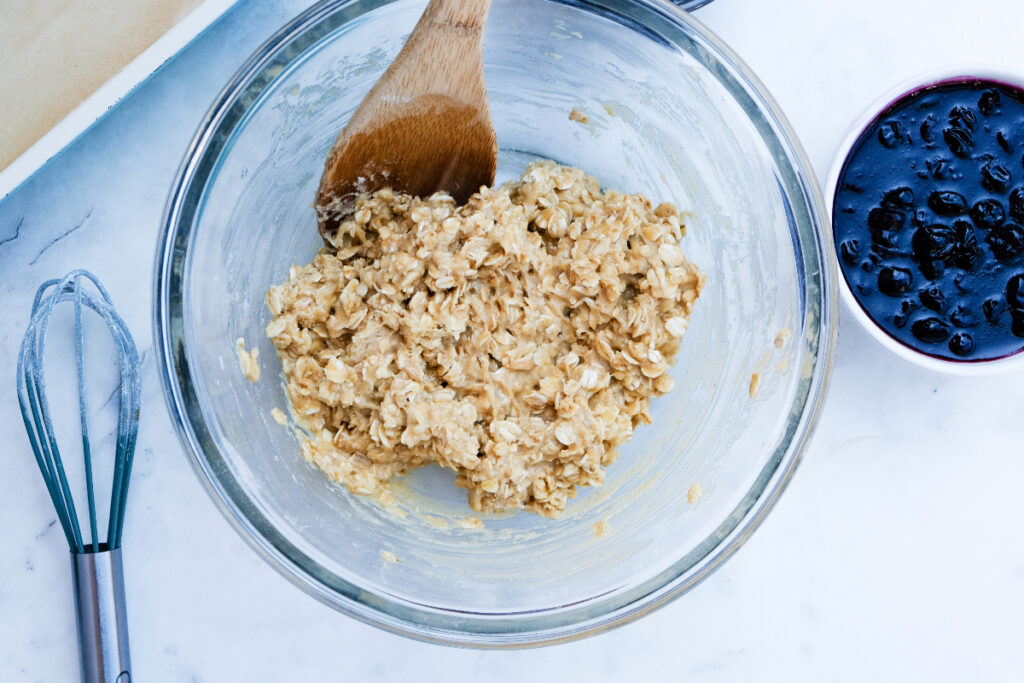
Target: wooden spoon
column 426, row 125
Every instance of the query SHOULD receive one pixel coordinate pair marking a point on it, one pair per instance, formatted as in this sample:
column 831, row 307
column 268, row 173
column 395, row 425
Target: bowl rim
column 931, row 77
column 561, row 624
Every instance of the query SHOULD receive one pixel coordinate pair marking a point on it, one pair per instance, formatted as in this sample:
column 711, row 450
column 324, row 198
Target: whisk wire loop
column 35, row 408
column 34, row 414
column 83, row 412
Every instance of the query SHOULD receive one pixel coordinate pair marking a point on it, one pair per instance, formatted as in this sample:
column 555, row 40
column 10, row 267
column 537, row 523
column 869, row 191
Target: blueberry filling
column 928, row 220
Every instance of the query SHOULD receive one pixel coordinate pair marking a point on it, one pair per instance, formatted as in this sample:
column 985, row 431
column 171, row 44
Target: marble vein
column 57, row 239
column 47, row 528
column 17, row 232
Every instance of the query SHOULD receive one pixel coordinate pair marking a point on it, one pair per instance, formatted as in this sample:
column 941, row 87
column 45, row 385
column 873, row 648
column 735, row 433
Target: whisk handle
column 101, row 616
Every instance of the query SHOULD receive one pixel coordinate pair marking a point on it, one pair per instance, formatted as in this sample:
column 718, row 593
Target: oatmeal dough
column 247, row 360
column 516, row 340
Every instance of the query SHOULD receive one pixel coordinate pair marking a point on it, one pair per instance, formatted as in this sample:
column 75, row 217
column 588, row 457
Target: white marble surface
column 894, row 555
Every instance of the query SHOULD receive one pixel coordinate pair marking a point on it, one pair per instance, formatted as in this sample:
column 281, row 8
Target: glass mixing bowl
column 672, row 113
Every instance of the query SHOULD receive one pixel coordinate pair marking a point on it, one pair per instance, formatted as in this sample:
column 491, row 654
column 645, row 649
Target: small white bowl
column 951, row 367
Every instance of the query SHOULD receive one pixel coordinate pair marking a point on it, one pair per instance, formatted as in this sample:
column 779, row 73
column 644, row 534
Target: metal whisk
column 96, row 564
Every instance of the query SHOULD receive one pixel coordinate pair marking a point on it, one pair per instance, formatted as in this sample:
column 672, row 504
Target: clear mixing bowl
column 672, row 113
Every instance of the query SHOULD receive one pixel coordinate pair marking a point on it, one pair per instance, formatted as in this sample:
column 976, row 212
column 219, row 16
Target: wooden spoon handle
column 459, row 14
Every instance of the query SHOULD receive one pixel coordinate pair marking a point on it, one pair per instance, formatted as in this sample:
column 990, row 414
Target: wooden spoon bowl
column 426, row 124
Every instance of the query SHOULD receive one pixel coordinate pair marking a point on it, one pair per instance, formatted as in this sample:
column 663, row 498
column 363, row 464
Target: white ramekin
column 951, row 367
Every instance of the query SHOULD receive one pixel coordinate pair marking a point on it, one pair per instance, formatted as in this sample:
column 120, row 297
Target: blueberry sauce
column 929, row 220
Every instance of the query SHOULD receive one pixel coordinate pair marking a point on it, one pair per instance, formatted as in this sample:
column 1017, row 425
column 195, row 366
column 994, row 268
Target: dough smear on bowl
column 516, row 340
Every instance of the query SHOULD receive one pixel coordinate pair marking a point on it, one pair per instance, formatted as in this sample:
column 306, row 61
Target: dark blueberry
column 961, row 344
column 867, row 266
column 885, row 250
column 930, row 330
column 1003, row 142
column 963, row 317
column 959, row 141
column 947, row 203
column 898, row 198
column 932, row 270
column 933, row 242
column 850, row 251
column 885, row 219
column 1006, row 241
column 1015, row 291
column 933, row 298
column 966, row 251
column 894, row 281
column 928, row 129
column 988, row 214
column 882, row 244
column 1017, row 204
column 939, row 168
column 992, row 308
column 890, row 134
column 962, row 117
column 995, row 178
column 1017, row 325
column 881, row 222
column 989, row 101
column 901, row 316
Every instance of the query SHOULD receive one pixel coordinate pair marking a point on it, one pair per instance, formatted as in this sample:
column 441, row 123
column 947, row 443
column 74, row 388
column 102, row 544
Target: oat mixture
column 516, row 340
column 248, row 361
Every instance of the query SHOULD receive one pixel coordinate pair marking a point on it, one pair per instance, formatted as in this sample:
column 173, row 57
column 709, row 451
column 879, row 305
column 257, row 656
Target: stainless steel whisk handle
column 101, row 616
